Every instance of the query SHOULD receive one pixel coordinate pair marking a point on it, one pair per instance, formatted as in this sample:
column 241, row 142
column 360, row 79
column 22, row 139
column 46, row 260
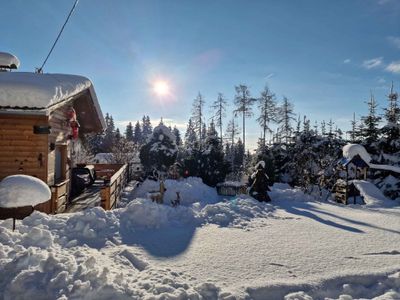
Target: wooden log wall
column 60, row 131
column 22, row 151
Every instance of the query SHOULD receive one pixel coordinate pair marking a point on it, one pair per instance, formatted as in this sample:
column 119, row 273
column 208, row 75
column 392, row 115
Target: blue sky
column 325, row 56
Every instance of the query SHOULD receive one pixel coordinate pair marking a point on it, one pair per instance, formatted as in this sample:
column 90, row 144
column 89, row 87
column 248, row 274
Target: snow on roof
column 8, row 60
column 38, row 91
column 22, row 92
column 372, row 195
column 23, row 190
column 351, row 150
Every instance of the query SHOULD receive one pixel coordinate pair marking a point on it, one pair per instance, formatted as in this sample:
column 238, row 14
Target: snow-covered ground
column 206, row 248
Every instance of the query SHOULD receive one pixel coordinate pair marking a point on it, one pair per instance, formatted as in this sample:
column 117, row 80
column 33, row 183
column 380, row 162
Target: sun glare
column 161, row 88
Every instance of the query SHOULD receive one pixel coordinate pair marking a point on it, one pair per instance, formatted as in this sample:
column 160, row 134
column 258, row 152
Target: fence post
column 105, row 197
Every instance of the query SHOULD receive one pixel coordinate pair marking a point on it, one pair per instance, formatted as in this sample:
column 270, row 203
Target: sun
column 161, row 88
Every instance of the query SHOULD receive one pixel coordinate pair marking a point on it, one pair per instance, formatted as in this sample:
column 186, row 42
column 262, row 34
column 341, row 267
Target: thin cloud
column 394, row 40
column 393, row 67
column 269, row 76
column 372, row 63
column 347, row 60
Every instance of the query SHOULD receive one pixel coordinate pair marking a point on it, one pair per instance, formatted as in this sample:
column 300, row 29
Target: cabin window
column 60, row 169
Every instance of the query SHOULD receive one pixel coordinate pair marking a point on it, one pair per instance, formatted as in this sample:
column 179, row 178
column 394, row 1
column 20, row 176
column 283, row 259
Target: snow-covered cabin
column 42, row 117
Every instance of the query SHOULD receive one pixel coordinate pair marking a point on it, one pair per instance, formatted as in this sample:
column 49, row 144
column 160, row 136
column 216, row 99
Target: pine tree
column 371, row 122
column 392, row 112
column 191, row 141
column 147, row 128
column 197, row 117
column 129, row 132
column 306, row 125
column 330, row 129
column 353, row 132
column 232, row 131
column 109, row 134
column 203, row 134
column 137, row 135
column 286, row 116
column 391, row 130
column 323, row 128
column 213, row 167
column 239, row 155
column 219, row 107
column 118, row 135
column 177, row 134
column 297, row 132
column 316, row 128
column 244, row 103
column 268, row 111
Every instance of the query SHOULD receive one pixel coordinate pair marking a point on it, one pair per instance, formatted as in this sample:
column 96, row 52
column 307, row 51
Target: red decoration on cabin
column 75, row 129
column 73, row 123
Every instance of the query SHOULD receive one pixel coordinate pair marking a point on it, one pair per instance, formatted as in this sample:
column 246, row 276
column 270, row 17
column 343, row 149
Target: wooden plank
column 61, row 201
column 16, row 132
column 22, row 143
column 21, row 156
column 25, row 118
column 33, row 148
column 26, row 171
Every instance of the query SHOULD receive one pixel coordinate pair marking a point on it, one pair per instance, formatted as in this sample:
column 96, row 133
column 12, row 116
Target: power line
column 40, row 70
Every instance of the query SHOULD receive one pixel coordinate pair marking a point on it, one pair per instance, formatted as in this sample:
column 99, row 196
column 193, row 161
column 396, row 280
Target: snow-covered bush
column 160, row 151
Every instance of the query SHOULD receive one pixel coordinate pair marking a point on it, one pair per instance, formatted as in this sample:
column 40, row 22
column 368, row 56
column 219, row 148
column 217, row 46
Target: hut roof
column 356, row 160
column 33, row 93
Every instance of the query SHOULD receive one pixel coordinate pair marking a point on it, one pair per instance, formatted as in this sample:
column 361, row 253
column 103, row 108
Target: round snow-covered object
column 8, row 60
column 23, row 190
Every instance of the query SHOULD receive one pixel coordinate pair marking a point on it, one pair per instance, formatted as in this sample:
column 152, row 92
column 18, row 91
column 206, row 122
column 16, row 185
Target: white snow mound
column 372, row 195
column 351, row 150
column 23, row 190
column 8, row 60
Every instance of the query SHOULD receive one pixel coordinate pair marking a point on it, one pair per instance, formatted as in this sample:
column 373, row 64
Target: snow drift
column 294, row 248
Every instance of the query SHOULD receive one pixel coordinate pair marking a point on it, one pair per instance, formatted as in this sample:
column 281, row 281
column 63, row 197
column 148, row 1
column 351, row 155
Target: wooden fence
column 59, row 197
column 115, row 177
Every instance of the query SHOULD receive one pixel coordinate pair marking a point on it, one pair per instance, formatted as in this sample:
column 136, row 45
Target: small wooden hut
column 354, row 168
column 42, row 119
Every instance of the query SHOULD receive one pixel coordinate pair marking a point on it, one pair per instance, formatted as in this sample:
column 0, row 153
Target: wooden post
column 53, row 200
column 347, row 184
column 105, row 197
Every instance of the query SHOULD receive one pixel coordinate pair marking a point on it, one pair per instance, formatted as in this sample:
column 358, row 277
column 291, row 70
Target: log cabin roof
column 32, row 93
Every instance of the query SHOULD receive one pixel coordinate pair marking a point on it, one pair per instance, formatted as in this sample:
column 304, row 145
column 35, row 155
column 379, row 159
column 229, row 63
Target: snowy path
column 304, row 243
